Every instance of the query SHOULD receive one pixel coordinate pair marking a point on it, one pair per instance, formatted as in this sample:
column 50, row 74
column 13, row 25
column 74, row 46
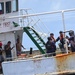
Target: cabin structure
column 9, row 28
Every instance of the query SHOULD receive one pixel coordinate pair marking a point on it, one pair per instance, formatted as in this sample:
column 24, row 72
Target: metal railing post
column 64, row 30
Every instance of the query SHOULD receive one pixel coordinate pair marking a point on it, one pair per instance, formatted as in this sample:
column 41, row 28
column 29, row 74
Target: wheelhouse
column 8, row 6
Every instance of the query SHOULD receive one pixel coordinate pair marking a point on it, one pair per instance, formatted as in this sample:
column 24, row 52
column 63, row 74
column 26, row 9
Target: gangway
column 36, row 38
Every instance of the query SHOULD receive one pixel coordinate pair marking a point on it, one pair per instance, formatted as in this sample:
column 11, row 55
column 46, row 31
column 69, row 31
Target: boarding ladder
column 36, row 38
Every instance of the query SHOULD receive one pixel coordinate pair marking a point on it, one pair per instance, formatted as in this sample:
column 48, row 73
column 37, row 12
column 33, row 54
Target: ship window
column 15, row 5
column 1, row 8
column 8, row 7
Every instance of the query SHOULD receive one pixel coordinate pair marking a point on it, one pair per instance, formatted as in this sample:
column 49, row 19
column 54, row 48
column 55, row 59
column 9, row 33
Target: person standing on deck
column 62, row 41
column 8, row 49
column 18, row 47
column 50, row 45
column 72, row 40
column 1, row 50
column 53, row 43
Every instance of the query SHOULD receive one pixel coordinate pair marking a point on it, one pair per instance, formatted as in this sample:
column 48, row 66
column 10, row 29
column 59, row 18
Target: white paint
column 28, row 67
column 6, row 25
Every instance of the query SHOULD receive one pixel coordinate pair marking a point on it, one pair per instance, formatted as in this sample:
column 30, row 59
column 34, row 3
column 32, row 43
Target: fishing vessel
column 13, row 23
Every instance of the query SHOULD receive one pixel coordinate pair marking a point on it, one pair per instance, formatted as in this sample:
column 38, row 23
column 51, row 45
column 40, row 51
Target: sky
column 53, row 22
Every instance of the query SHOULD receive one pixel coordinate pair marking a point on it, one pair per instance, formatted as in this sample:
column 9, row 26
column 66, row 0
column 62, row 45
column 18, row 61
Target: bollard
column 31, row 50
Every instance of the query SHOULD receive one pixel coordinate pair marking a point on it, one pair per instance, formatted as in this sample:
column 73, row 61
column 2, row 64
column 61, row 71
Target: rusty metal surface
column 65, row 62
column 64, row 65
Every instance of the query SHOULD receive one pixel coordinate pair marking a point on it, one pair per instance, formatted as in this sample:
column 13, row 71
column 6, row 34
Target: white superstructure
column 8, row 32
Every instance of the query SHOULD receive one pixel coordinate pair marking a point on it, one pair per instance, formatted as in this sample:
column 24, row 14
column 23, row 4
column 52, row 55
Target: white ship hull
column 62, row 63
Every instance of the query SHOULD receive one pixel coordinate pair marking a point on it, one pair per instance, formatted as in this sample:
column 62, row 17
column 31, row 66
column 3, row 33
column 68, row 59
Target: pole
column 64, row 31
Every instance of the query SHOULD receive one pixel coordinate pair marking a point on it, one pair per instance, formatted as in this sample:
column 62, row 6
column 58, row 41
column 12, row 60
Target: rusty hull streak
column 62, row 61
column 63, row 64
column 37, row 60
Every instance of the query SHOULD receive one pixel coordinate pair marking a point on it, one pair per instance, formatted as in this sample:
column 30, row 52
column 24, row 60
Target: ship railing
column 33, row 22
column 27, row 16
column 48, row 54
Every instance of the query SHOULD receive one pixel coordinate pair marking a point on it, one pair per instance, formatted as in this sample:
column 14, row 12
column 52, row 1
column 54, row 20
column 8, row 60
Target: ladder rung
column 34, row 36
column 29, row 30
column 37, row 39
column 39, row 42
column 32, row 33
column 42, row 46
